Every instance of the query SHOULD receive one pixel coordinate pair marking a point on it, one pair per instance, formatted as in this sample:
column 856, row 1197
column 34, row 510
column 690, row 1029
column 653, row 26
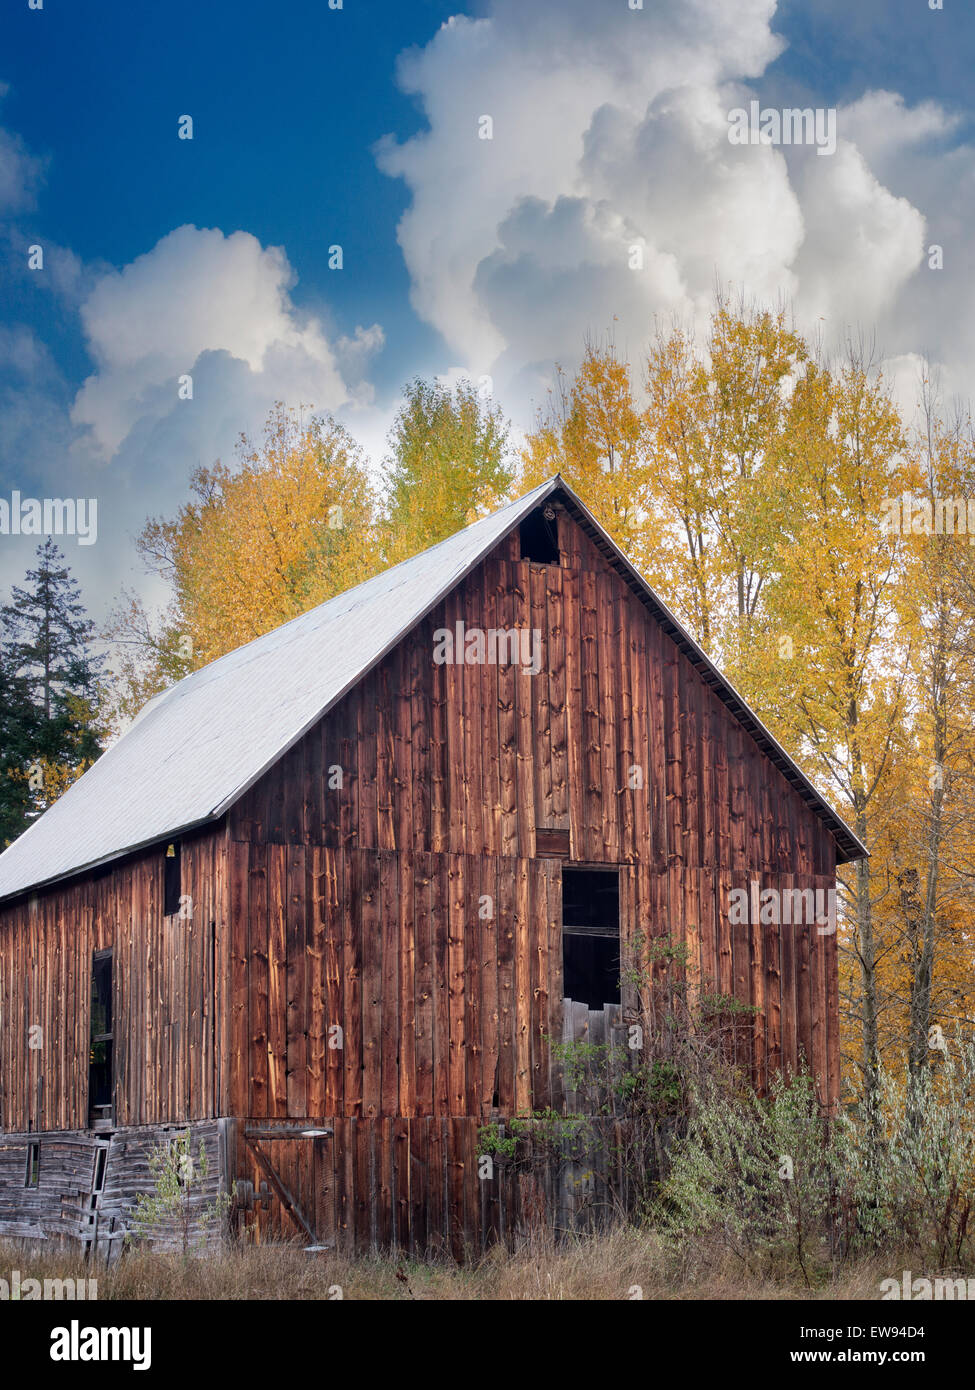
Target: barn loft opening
column 540, row 536
column 591, row 936
column 173, row 885
column 101, row 1061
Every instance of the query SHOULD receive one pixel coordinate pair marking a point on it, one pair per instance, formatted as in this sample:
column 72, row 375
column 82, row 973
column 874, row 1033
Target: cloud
column 218, row 309
column 21, row 173
column 215, row 308
column 613, row 134
column 861, row 243
column 917, row 154
column 569, row 98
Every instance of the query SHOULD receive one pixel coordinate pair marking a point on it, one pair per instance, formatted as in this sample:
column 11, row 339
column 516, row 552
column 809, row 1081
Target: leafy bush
column 910, row 1162
column 632, row 1101
column 668, row 1132
column 774, row 1177
column 757, row 1173
column 177, row 1197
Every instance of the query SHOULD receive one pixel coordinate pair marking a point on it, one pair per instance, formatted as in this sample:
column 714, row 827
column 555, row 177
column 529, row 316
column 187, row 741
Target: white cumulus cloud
column 201, row 303
column 610, row 131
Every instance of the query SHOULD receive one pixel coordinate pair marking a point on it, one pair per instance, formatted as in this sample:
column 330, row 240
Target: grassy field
column 601, row 1268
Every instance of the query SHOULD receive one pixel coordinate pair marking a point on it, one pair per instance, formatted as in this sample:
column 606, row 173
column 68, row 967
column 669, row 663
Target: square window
column 591, row 936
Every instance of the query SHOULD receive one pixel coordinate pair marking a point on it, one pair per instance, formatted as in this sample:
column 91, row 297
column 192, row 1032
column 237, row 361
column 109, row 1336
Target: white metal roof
column 195, row 748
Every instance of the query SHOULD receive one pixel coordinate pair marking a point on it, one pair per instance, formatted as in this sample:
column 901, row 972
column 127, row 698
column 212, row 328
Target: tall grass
column 619, row 1265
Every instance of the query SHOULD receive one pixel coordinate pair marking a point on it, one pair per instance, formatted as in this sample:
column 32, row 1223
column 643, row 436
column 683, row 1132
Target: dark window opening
column 32, row 1175
column 591, row 936
column 101, row 995
column 172, row 886
column 98, row 1176
column 101, row 1073
column 540, row 536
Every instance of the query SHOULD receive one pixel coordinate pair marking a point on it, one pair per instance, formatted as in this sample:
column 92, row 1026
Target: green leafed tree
column 448, row 464
column 17, row 721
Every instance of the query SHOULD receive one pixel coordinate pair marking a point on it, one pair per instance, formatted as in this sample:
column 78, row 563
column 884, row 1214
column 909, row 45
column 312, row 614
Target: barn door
column 281, row 1182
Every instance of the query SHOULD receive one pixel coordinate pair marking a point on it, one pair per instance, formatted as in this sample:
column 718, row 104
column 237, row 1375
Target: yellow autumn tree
column 686, row 467
column 289, row 526
column 837, row 694
column 929, row 845
column 592, row 433
column 716, row 435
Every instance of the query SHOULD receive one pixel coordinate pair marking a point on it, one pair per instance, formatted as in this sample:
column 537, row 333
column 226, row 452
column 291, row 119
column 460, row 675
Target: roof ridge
column 343, row 594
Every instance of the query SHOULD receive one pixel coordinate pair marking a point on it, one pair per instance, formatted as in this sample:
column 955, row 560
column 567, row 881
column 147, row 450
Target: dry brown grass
column 602, row 1267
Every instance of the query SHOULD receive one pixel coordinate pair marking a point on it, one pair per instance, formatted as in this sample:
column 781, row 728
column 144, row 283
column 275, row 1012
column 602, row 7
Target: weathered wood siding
column 66, row 1207
column 472, row 759
column 418, row 1185
column 408, row 908
column 376, row 984
column 165, row 974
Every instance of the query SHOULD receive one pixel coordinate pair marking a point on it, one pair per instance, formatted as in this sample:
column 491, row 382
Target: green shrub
column 176, row 1199
column 775, row 1178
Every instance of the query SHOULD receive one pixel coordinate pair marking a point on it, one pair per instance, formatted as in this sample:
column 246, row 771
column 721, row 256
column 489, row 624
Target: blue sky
column 286, row 115
column 359, row 127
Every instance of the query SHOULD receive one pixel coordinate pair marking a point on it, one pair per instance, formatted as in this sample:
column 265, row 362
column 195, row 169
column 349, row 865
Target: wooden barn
column 331, row 900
